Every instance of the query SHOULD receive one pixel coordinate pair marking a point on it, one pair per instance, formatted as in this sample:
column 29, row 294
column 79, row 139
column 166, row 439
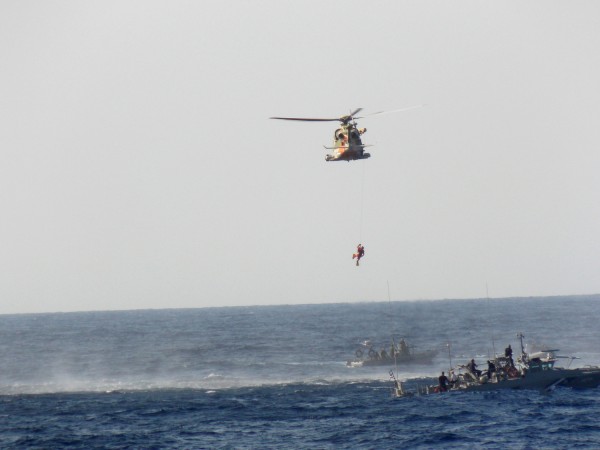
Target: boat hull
column 546, row 380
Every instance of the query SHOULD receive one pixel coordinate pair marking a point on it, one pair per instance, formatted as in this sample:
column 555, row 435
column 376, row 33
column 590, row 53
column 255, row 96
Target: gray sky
column 140, row 170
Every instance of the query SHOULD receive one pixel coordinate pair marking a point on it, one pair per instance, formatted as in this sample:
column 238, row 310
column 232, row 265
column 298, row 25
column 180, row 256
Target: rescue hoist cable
column 362, row 197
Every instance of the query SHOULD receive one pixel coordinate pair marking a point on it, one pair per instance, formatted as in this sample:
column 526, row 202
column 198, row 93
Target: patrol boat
column 401, row 353
column 531, row 371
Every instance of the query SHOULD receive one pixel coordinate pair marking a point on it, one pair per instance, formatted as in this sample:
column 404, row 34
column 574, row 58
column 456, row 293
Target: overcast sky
column 140, row 170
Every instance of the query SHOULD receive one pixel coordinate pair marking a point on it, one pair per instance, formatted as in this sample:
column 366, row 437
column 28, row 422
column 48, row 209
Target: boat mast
column 392, row 326
column 399, row 390
column 491, row 328
column 521, row 336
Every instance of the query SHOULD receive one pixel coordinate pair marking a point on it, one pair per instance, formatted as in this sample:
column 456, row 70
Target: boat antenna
column 392, row 331
column 397, row 382
column 521, row 336
column 491, row 328
column 392, row 324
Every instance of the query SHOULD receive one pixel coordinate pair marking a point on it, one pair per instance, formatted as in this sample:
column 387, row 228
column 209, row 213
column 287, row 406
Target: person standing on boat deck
column 453, row 378
column 443, row 379
column 491, row 369
column 473, row 368
column 383, row 354
column 403, row 347
column 508, row 354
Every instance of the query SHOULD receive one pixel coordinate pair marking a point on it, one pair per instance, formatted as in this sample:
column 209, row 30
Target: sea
column 276, row 377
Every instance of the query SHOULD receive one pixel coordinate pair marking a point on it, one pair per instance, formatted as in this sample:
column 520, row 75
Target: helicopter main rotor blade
column 391, row 111
column 305, row 119
column 355, row 112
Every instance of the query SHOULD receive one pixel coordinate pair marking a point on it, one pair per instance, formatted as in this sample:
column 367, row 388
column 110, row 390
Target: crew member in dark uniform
column 443, row 379
column 473, row 368
column 491, row 369
column 508, row 354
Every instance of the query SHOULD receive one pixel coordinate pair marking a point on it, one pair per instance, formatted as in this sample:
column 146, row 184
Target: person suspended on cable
column 360, row 252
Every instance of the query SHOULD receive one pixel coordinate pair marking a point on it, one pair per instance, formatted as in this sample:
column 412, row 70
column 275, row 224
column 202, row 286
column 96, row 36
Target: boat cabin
column 537, row 365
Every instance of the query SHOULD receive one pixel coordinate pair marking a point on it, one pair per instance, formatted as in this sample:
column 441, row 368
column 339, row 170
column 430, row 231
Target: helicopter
column 347, row 143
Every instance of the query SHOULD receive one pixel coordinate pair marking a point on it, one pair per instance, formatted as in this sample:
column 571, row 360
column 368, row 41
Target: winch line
column 362, row 197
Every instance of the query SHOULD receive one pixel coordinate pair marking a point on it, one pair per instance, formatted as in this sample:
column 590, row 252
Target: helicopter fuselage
column 347, row 144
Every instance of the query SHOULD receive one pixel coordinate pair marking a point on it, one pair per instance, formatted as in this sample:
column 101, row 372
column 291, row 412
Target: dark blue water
column 256, row 377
